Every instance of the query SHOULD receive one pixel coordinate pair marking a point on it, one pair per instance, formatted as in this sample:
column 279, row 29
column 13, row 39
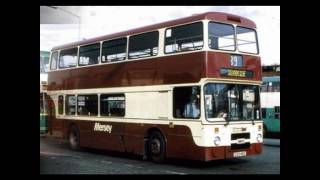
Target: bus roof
column 214, row 16
column 271, row 79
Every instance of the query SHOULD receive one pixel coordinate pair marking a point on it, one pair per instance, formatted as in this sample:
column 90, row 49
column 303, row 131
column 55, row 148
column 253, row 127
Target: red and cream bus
column 186, row 88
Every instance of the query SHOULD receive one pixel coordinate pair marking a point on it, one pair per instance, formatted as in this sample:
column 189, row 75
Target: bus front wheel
column 74, row 138
column 156, row 147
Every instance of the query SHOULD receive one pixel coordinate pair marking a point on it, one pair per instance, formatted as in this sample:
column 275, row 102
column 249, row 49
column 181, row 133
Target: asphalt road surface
column 57, row 158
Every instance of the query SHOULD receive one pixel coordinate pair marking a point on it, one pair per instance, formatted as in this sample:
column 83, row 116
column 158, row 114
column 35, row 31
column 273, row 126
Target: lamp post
column 73, row 14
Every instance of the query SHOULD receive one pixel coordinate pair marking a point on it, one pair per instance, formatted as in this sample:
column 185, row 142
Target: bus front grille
column 240, row 146
column 240, row 136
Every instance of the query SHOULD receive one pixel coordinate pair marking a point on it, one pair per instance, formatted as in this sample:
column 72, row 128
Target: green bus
column 44, row 64
column 270, row 104
column 43, row 113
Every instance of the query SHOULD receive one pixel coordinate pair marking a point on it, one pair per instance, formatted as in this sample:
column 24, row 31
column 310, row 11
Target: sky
column 99, row 20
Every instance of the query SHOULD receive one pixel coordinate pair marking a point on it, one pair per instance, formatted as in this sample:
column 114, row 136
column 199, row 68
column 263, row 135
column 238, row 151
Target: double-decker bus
column 44, row 66
column 185, row 88
column 270, row 104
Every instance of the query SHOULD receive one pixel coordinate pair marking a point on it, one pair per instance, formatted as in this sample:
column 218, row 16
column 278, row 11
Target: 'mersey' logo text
column 101, row 127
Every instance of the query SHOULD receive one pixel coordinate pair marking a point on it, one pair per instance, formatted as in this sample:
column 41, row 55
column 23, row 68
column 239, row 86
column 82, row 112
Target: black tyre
column 74, row 138
column 156, row 147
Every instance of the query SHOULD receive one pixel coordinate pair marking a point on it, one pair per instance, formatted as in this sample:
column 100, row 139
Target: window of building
column 89, row 54
column 221, row 36
column 114, row 50
column 68, row 58
column 54, row 60
column 70, row 104
column 186, row 102
column 184, row 38
column 247, row 40
column 60, row 104
column 143, row 45
column 112, row 105
column 87, row 105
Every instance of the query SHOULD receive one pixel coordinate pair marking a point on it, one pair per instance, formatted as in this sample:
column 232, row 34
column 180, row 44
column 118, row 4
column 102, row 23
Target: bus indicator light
column 216, row 130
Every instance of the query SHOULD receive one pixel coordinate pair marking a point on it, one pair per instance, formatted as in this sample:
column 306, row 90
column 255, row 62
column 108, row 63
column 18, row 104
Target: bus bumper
column 225, row 152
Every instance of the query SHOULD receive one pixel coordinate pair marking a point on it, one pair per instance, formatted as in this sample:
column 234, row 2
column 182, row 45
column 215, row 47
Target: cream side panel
column 141, row 105
column 163, row 105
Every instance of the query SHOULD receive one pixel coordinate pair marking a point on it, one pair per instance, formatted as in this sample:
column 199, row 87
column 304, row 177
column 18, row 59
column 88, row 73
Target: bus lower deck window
column 112, row 105
column 70, row 105
column 186, row 102
column 87, row 105
column 60, row 104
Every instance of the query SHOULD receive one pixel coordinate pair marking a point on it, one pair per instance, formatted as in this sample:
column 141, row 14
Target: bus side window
column 87, row 105
column 54, row 60
column 60, row 105
column 263, row 112
column 112, row 105
column 70, row 104
column 264, row 87
column 277, row 112
column 184, row 38
column 114, row 50
column 68, row 58
column 89, row 54
column 186, row 102
column 143, row 45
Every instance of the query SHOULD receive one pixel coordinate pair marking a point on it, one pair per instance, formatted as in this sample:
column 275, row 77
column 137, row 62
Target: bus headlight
column 217, row 140
column 259, row 138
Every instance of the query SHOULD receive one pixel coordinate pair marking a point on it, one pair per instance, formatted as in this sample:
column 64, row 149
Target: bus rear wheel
column 74, row 138
column 156, row 147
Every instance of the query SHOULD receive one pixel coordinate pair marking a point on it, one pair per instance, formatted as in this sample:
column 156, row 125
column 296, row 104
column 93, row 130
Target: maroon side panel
column 187, row 68
column 184, row 68
column 129, row 137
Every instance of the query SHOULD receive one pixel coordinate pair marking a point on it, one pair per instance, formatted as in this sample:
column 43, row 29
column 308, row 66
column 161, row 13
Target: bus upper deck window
column 89, row 54
column 247, row 40
column 221, row 36
column 143, row 45
column 114, row 50
column 68, row 58
column 184, row 38
column 54, row 60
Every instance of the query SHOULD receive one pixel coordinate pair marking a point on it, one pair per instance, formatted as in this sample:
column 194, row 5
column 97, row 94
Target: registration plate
column 239, row 154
